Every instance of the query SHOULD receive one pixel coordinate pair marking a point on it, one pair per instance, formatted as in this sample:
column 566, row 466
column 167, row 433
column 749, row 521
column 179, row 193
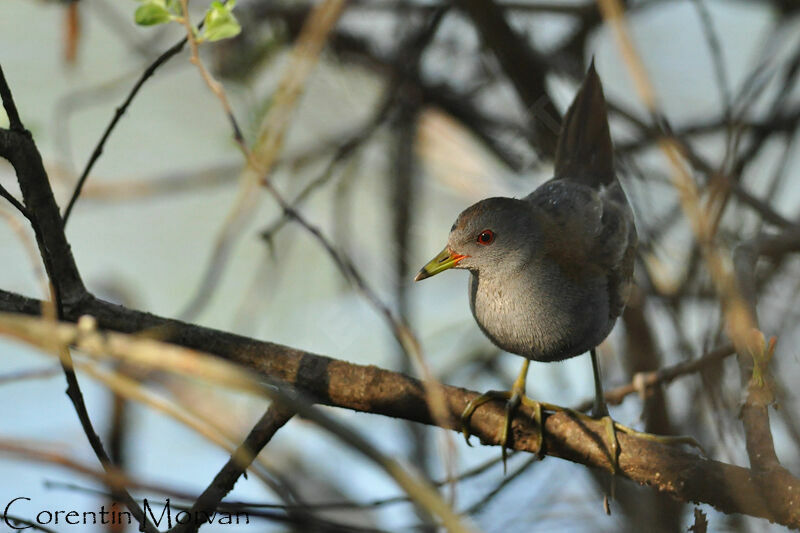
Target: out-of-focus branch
column 524, row 68
column 642, row 381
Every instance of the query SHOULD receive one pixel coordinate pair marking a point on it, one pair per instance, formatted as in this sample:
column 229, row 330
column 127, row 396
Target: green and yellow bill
column 446, row 259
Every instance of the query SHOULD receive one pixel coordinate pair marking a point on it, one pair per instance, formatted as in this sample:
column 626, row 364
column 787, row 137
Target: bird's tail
column 584, row 152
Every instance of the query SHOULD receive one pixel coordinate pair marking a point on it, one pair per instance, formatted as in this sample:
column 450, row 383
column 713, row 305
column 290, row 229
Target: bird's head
column 497, row 234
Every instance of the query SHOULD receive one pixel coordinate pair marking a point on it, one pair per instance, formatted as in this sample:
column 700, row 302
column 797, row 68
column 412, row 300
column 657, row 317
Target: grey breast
column 544, row 311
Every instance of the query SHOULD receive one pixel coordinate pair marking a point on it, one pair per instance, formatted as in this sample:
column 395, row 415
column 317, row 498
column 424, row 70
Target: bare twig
column 261, row 159
column 14, row 122
column 14, row 202
column 646, row 380
column 118, row 113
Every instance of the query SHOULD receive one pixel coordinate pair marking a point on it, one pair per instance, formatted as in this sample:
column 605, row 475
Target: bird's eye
column 486, row 237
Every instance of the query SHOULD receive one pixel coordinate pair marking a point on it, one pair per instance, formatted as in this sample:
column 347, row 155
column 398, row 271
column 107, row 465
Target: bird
column 550, row 273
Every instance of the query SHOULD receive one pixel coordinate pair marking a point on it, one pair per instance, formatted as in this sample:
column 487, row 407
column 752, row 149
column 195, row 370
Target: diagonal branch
column 118, row 113
column 275, row 417
column 14, row 202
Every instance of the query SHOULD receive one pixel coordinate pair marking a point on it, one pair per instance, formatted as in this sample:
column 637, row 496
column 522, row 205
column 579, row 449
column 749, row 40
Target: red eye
column 486, row 237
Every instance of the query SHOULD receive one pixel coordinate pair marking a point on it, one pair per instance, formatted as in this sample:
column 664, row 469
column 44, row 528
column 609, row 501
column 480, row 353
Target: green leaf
column 152, row 13
column 220, row 22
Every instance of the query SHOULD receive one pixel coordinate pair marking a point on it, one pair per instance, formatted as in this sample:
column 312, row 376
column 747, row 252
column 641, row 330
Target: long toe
column 669, row 440
column 512, row 400
column 613, row 444
column 536, row 407
column 476, row 402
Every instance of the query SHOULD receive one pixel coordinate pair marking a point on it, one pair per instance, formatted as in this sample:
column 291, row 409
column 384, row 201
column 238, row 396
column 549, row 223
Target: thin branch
column 16, row 520
column 14, row 122
column 643, row 381
column 212, row 84
column 274, row 418
column 118, row 113
column 276, row 513
column 487, row 499
column 345, row 150
column 262, row 158
column 14, row 202
column 718, row 59
column 239, row 505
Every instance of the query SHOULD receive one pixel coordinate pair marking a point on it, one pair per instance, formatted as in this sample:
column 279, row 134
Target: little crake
column 551, row 272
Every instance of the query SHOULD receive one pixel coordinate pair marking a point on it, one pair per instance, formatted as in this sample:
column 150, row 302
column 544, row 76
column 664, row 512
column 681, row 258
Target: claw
column 613, row 451
column 537, row 417
column 670, row 440
column 474, row 404
column 511, row 406
column 513, row 399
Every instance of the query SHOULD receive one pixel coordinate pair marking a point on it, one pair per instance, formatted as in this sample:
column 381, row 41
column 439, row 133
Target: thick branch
column 685, row 476
column 41, row 209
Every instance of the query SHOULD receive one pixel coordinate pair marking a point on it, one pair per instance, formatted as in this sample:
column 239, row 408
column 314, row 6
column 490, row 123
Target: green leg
column 513, row 399
column 600, row 411
column 516, row 396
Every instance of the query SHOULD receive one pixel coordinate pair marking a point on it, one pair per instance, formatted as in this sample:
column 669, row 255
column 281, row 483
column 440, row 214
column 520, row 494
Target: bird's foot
column 513, row 399
column 611, row 428
column 670, row 440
